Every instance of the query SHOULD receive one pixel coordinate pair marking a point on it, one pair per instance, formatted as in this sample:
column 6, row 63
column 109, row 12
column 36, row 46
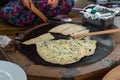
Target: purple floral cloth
column 16, row 14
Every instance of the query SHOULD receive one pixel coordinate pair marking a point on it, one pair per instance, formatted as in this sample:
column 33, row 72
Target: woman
column 18, row 12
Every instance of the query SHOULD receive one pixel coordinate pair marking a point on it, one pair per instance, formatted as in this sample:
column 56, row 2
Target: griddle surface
column 105, row 45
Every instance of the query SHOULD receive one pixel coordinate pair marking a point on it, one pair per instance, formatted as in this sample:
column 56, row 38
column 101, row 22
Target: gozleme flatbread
column 80, row 32
column 46, row 36
column 67, row 28
column 65, row 51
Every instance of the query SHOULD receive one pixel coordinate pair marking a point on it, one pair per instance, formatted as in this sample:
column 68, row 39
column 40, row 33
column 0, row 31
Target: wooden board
column 7, row 29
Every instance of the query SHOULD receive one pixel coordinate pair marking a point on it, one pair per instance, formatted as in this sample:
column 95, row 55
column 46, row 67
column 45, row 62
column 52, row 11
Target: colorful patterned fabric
column 16, row 14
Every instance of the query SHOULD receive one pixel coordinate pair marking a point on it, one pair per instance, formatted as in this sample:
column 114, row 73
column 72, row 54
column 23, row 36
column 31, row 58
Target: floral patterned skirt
column 16, row 14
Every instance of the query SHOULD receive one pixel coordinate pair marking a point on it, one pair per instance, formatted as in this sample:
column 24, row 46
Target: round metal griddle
column 105, row 45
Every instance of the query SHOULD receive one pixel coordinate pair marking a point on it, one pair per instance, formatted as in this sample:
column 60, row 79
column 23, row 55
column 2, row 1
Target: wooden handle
column 97, row 33
column 39, row 13
column 4, row 54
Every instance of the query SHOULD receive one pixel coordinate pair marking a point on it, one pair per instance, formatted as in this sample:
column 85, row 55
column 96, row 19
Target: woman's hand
column 53, row 3
column 27, row 3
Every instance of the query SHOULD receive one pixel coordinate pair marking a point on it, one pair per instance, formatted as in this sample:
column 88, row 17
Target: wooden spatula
column 62, row 36
column 97, row 33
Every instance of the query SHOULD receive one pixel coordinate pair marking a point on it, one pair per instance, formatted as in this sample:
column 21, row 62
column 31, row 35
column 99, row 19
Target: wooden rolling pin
column 39, row 13
column 97, row 33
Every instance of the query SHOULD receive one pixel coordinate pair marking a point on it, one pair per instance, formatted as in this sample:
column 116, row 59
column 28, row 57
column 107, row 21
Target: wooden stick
column 97, row 33
column 4, row 54
column 39, row 13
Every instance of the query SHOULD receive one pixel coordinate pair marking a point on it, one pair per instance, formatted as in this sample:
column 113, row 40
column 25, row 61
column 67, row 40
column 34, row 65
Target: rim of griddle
column 32, row 54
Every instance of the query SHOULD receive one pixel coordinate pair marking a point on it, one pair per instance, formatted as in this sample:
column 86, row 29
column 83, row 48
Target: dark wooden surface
column 7, row 29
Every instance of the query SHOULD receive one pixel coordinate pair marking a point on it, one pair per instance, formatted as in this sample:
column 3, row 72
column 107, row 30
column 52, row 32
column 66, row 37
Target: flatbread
column 80, row 32
column 46, row 36
column 67, row 28
column 65, row 51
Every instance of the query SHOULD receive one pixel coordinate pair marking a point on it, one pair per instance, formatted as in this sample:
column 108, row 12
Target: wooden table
column 93, row 71
column 8, row 29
